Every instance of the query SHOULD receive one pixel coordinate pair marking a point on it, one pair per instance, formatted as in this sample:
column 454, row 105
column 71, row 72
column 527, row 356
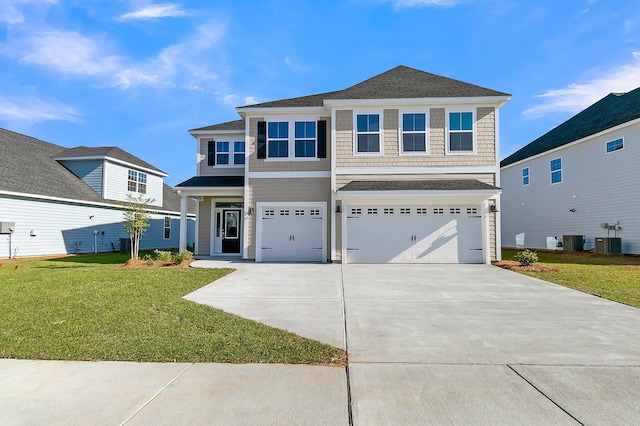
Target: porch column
column 183, row 222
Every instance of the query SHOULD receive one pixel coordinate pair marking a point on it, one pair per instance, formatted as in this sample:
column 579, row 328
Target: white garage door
column 292, row 233
column 414, row 234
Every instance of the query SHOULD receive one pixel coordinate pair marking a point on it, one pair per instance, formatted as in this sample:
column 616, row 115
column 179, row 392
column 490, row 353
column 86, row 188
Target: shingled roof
column 229, row 125
column 418, row 185
column 400, row 82
column 610, row 111
column 27, row 166
column 106, row 151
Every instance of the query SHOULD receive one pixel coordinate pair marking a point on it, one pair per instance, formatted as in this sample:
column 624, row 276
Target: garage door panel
column 415, row 234
column 292, row 233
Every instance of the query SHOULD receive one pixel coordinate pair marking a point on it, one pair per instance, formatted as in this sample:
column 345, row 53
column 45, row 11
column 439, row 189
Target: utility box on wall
column 7, row 227
column 609, row 245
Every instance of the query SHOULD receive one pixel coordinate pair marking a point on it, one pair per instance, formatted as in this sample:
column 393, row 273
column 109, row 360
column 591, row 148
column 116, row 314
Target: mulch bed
column 138, row 263
column 512, row 265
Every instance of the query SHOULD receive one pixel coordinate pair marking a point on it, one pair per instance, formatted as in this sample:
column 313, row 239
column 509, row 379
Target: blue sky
column 138, row 74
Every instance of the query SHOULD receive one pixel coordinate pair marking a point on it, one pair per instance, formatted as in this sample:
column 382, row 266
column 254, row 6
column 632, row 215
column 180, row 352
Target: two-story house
column 56, row 200
column 578, row 179
column 402, row 167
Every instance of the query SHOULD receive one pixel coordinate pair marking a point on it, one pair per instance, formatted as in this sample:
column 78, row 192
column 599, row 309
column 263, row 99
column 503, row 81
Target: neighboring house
column 401, row 168
column 576, row 178
column 58, row 197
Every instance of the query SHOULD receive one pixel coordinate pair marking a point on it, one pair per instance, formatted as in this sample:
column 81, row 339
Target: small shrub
column 147, row 258
column 182, row 256
column 163, row 256
column 526, row 257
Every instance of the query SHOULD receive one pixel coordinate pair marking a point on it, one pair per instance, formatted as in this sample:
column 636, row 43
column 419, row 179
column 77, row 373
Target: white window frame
column 474, row 130
column 231, row 154
column 291, row 140
column 401, row 132
column 165, row 227
column 380, row 132
column 606, row 147
column 137, row 181
column 551, row 172
column 528, row 176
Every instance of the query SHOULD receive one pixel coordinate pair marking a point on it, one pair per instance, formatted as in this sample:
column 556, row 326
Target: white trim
column 258, row 214
column 115, row 160
column 498, row 228
column 280, row 175
column 196, row 133
column 104, row 178
column 474, row 131
column 479, row 101
column 414, row 111
column 212, row 229
column 486, row 234
column 245, row 190
column 246, row 111
column 610, row 141
column 380, row 114
column 231, row 153
column 81, row 202
column 416, row 170
column 164, row 228
column 196, row 243
column 401, row 197
column 333, row 184
column 576, row 142
column 551, row 172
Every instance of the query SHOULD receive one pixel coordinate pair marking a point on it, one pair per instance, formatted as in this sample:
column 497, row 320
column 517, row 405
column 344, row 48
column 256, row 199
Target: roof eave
column 275, row 110
column 497, row 100
column 195, row 133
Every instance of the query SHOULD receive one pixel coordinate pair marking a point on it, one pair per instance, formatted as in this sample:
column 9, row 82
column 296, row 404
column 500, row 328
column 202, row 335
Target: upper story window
column 525, row 176
column 616, row 145
column 460, row 132
column 555, row 167
column 368, row 133
column 305, row 139
column 137, row 182
column 225, row 153
column 414, row 133
column 277, row 139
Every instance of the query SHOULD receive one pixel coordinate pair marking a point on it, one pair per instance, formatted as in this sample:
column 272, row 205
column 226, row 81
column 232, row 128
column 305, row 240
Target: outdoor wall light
column 338, row 208
column 251, row 210
column 572, row 210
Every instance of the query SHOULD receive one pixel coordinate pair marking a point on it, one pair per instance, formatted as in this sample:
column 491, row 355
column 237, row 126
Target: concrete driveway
column 453, row 344
column 428, row 344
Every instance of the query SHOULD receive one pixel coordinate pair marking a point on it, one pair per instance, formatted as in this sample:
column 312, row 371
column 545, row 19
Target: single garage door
column 414, row 234
column 292, row 233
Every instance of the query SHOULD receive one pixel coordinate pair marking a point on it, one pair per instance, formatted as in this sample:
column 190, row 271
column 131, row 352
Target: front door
column 231, row 231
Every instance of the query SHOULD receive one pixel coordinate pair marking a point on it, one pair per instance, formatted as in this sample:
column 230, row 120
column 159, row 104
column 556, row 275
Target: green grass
column 89, row 308
column 612, row 277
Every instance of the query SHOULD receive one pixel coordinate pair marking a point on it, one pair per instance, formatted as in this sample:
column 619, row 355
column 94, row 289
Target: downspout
column 183, row 222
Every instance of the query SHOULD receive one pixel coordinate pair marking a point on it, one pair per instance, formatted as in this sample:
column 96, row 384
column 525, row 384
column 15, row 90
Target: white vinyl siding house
column 594, row 183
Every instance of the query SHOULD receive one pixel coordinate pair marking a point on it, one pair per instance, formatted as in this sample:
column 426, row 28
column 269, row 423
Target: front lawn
column 91, row 308
column 612, row 277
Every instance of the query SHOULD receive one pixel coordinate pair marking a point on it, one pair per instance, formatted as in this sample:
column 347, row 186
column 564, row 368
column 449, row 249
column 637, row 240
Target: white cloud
column 401, row 4
column 66, row 52
column 577, row 96
column 10, row 12
column 250, row 100
column 294, row 64
column 35, row 110
column 156, row 11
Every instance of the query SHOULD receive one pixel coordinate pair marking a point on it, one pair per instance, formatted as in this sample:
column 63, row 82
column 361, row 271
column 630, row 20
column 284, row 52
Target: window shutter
column 322, row 139
column 262, row 139
column 211, row 153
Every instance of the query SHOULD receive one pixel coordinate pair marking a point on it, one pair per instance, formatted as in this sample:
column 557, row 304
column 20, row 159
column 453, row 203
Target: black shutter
column 262, row 139
column 322, row 139
column 211, row 153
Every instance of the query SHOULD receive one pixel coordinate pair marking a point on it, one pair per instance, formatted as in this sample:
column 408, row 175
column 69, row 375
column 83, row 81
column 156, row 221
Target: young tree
column 136, row 219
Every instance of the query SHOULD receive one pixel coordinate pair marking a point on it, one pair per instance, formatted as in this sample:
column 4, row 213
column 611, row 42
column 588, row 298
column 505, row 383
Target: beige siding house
column 400, row 168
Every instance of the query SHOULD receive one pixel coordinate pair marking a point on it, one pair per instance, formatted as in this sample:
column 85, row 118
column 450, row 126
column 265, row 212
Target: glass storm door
column 231, row 231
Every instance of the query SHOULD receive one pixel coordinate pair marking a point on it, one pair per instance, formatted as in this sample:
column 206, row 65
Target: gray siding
column 601, row 187
column 65, row 228
column 117, row 177
column 90, row 171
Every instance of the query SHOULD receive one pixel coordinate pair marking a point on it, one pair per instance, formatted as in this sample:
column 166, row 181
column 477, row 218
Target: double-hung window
column 525, row 176
column 555, row 167
column 238, row 152
column 616, row 145
column 167, row 227
column 305, row 138
column 368, row 133
column 137, row 182
column 461, row 132
column 225, row 153
column 414, row 133
column 278, row 139
column 222, row 153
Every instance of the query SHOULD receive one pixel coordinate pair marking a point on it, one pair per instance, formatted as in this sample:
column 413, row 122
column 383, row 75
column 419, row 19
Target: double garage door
column 292, row 233
column 414, row 234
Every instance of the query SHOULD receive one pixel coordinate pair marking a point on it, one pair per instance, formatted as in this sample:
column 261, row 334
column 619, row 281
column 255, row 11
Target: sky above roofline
column 138, row 74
